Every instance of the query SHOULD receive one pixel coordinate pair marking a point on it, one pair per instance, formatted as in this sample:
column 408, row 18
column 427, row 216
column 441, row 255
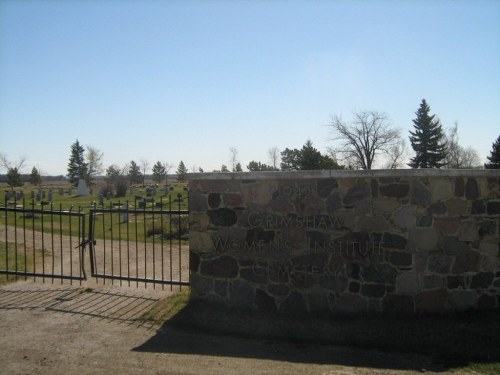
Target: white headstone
column 82, row 188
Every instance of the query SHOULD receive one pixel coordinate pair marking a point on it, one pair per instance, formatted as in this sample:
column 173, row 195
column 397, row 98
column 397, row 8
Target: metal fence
column 132, row 243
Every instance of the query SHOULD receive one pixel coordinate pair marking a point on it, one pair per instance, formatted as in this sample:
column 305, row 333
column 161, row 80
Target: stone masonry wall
column 404, row 242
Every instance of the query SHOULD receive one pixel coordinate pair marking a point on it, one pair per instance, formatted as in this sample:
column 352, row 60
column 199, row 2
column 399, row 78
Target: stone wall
column 405, row 241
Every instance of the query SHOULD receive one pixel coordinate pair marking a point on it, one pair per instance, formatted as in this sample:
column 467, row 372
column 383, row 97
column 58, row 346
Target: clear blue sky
column 187, row 80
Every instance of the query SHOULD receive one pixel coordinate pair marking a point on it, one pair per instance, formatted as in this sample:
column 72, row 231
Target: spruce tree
column 134, row 173
column 158, row 172
column 181, row 172
column 494, row 157
column 77, row 168
column 428, row 140
column 35, row 178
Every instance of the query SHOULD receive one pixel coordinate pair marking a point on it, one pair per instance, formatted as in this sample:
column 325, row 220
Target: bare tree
column 234, row 158
column 145, row 168
column 397, row 155
column 8, row 164
column 274, row 157
column 167, row 167
column 94, row 163
column 459, row 157
column 361, row 140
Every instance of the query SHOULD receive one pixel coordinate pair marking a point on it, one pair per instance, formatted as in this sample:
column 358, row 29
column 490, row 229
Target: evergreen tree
column 494, row 157
column 158, row 172
column 14, row 178
column 258, row 166
column 35, row 178
column 181, row 172
column 77, row 168
column 428, row 140
column 134, row 173
column 307, row 158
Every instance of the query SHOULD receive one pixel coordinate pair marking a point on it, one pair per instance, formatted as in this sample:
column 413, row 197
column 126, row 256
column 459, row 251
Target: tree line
column 359, row 144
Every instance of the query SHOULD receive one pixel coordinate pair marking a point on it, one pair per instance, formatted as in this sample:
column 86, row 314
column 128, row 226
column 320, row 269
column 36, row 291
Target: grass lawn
column 143, row 224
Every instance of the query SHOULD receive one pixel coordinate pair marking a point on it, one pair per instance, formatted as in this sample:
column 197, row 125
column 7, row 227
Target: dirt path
column 54, row 329
column 60, row 255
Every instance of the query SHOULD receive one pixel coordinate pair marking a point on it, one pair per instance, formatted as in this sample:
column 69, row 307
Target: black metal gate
column 139, row 243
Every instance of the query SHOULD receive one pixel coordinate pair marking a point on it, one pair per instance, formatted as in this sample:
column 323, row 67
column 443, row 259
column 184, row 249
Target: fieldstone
column 256, row 235
column 456, row 207
column 278, row 290
column 466, row 260
column 241, row 294
column 194, row 261
column 424, row 221
column 357, row 193
column 459, row 187
column 494, row 208
column 420, row 194
column 395, row 190
column 447, row 225
column 405, row 217
column 325, row 186
column 249, row 274
column 408, row 283
column 482, row 280
column 232, row 199
column 450, row 245
column 294, row 303
column 374, row 186
column 455, row 282
column 487, row 228
column 433, row 282
column 373, row 290
column 220, row 288
column 222, row 217
column 333, row 203
column 214, row 200
column 223, row 266
column 440, row 263
column 437, row 208
column 442, row 188
column 398, row 304
column 317, row 301
column 400, row 259
column 200, row 286
column 197, row 202
column 462, row 300
column 468, row 231
column 354, row 287
column 372, row 223
column 394, row 241
column 264, row 301
column 385, row 206
column 471, row 189
column 432, row 301
column 423, row 239
column 379, row 273
column 478, row 207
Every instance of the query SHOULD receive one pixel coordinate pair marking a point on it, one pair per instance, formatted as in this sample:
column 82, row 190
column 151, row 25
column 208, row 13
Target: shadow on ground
column 435, row 343
column 87, row 303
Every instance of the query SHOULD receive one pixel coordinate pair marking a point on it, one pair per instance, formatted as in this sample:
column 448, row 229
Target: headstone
column 82, row 189
column 39, row 195
column 70, row 191
column 43, row 194
column 142, row 204
column 32, row 194
column 7, row 195
column 109, row 195
column 166, row 190
column 51, row 195
column 61, row 191
column 125, row 214
column 19, row 195
column 101, row 199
